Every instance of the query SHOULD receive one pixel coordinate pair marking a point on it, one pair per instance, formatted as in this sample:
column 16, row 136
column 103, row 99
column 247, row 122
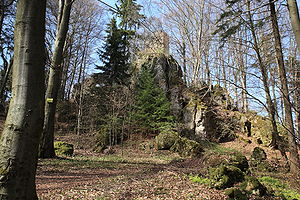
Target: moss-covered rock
column 258, row 154
column 63, row 148
column 259, row 161
column 187, row 148
column 239, row 160
column 235, row 194
column 165, row 140
column 252, row 186
column 263, row 166
column 226, row 176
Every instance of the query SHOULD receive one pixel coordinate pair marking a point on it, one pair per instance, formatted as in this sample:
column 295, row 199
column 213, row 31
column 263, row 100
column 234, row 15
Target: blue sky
column 112, row 2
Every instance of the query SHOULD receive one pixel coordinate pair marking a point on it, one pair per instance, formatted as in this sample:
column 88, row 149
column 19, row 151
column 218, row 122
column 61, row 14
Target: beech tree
column 294, row 158
column 7, row 16
column 295, row 20
column 47, row 146
column 21, row 134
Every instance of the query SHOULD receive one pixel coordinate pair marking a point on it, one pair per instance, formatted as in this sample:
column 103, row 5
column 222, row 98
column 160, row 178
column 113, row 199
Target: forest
column 149, row 99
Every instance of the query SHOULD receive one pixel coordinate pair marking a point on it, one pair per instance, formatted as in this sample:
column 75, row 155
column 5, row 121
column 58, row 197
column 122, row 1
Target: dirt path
column 135, row 175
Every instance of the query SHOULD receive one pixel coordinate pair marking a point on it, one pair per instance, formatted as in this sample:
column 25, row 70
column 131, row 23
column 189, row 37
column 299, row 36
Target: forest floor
column 133, row 174
column 129, row 173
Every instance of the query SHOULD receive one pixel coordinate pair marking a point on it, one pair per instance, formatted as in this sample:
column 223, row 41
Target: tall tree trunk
column 4, row 81
column 183, row 51
column 264, row 73
column 54, row 81
column 273, row 88
column 294, row 156
column 66, row 68
column 4, row 5
column 297, row 101
column 23, row 126
column 295, row 20
column 242, row 62
column 2, row 10
column 243, row 80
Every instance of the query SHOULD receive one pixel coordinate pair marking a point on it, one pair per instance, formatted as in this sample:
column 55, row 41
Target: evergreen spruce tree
column 129, row 14
column 152, row 109
column 115, row 55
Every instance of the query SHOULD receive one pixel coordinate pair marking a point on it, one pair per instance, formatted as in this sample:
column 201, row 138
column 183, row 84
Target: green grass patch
column 212, row 147
column 201, row 180
column 84, row 162
column 280, row 189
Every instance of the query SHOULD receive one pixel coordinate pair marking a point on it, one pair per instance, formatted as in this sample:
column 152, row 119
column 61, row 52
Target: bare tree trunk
column 65, row 71
column 81, row 80
column 4, row 81
column 184, row 62
column 54, row 81
column 2, row 10
column 243, row 80
column 295, row 20
column 297, row 101
column 273, row 87
column 270, row 103
column 294, row 157
column 23, row 126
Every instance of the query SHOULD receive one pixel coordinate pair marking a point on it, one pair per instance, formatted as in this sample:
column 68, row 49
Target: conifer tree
column 114, row 55
column 129, row 14
column 152, row 109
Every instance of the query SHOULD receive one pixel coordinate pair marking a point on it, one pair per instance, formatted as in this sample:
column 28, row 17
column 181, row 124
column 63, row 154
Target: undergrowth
column 280, row 189
column 200, row 180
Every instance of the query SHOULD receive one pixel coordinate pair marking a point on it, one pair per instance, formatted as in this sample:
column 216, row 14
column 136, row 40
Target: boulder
column 258, row 154
column 226, row 176
column 63, row 148
column 236, row 194
column 259, row 161
column 165, row 140
column 239, row 160
column 252, row 186
column 187, row 148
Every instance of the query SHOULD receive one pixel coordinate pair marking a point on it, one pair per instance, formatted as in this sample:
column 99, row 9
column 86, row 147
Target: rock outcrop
column 196, row 109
